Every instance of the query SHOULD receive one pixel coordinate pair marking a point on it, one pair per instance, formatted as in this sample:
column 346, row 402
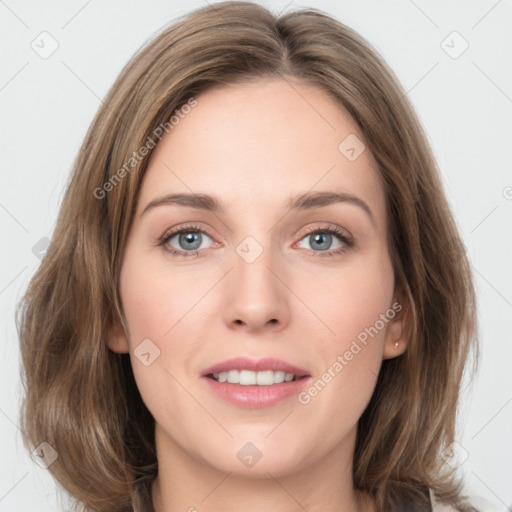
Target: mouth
column 245, row 371
column 256, row 384
column 253, row 378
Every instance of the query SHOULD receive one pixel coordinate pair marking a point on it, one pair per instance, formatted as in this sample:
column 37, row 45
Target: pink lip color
column 255, row 397
column 244, row 363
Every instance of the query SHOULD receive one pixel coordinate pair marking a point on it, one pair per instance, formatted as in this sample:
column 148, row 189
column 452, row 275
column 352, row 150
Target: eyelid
column 302, row 233
column 326, row 226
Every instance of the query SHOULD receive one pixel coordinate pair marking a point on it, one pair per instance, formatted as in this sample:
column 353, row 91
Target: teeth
column 250, row 378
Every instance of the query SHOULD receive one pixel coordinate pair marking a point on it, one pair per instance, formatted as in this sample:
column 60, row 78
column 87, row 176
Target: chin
column 255, row 459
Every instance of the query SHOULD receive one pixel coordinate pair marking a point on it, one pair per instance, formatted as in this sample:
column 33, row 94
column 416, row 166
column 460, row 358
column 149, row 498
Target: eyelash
column 348, row 244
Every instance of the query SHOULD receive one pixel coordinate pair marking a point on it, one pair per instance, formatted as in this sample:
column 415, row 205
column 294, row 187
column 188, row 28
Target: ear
column 399, row 328
column 117, row 340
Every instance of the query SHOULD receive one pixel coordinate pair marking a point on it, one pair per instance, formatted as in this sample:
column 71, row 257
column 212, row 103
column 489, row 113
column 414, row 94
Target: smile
column 251, row 378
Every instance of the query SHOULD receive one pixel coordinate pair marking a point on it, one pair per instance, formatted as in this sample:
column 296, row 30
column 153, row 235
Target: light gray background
column 464, row 103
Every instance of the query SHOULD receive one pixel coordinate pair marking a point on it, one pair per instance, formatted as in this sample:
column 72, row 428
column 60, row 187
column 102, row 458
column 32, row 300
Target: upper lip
column 255, row 365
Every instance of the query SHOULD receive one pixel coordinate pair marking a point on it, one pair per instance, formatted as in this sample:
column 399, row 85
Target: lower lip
column 256, row 397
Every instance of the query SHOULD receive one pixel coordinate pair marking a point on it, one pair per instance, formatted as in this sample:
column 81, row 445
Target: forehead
column 257, row 144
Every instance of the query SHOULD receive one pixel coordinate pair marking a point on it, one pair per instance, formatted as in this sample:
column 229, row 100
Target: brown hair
column 82, row 398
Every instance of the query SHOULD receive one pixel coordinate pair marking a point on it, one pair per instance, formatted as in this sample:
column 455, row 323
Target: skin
column 253, row 146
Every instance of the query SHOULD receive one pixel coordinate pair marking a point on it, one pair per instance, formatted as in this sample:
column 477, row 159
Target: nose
column 255, row 297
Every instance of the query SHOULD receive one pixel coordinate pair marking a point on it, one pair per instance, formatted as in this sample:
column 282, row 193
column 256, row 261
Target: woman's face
column 259, row 279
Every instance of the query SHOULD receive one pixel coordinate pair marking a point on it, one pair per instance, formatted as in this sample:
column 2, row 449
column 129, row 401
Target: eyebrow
column 306, row 201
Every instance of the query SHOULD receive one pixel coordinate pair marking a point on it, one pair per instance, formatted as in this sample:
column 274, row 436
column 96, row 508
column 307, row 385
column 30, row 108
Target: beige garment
column 440, row 507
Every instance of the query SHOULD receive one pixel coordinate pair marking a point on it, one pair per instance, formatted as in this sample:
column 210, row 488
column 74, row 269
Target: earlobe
column 397, row 334
column 394, row 349
column 117, row 341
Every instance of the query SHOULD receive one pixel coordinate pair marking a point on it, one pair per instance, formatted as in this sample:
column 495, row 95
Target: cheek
column 152, row 309
column 156, row 321
column 350, row 299
column 154, row 299
column 163, row 305
column 355, row 312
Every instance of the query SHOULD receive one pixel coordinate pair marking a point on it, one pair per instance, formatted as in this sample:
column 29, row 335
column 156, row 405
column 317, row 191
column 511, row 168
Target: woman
column 244, row 370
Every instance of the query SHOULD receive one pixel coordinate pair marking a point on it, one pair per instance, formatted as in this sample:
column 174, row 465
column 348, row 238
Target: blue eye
column 322, row 239
column 190, row 239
